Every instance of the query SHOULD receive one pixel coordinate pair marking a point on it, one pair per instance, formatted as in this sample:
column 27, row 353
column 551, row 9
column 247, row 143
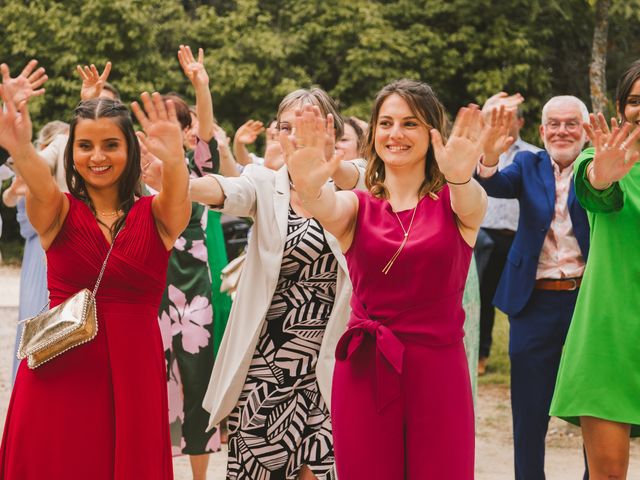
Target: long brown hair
column 625, row 84
column 128, row 183
column 430, row 112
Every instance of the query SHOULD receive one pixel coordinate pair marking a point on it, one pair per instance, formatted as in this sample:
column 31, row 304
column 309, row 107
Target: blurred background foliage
column 258, row 50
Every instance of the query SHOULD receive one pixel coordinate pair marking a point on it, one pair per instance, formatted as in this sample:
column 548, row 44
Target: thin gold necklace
column 389, row 264
column 109, row 214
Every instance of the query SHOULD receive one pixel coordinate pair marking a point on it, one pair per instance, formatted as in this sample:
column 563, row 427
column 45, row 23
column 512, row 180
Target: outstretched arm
column 227, row 162
column 162, row 137
column 46, row 204
column 197, row 74
column 457, row 161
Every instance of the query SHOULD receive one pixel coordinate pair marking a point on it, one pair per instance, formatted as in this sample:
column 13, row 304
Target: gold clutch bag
column 52, row 333
column 72, row 323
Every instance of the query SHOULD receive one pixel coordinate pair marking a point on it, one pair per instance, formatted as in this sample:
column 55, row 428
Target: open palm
column 457, row 159
column 192, row 68
column 495, row 136
column 15, row 124
column 92, row 81
column 25, row 85
column 162, row 133
column 613, row 160
column 306, row 153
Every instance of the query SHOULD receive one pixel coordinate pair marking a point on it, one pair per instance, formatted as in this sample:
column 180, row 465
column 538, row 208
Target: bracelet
column 457, row 183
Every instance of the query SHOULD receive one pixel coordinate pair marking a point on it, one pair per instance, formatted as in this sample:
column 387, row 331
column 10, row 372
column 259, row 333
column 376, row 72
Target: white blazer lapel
column 281, row 198
column 335, row 248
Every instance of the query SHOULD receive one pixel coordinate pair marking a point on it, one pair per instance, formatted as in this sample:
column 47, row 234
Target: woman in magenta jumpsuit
column 401, row 374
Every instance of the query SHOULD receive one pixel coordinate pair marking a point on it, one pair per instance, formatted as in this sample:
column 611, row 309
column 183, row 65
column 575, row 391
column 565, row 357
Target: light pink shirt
column 560, row 256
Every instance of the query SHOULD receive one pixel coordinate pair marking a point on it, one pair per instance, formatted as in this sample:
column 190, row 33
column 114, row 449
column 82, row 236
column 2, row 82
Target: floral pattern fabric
column 186, row 321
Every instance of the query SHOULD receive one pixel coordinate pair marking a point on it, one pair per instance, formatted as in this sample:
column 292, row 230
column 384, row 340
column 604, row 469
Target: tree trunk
column 598, row 66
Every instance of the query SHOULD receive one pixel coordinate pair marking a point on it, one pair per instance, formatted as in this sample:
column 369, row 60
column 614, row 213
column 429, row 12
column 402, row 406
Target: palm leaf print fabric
column 281, row 421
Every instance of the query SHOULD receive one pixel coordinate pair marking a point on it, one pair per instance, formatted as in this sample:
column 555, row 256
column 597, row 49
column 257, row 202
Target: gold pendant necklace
column 389, row 264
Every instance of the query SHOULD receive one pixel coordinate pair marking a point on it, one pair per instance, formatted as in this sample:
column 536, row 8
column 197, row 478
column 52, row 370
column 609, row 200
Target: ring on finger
column 623, row 146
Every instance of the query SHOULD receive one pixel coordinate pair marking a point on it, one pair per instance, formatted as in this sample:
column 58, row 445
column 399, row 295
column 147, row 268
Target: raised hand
column 495, row 136
column 220, row 135
column 248, row 132
column 162, row 133
column 457, row 159
column 305, row 152
column 92, row 81
column 192, row 68
column 613, row 159
column 502, row 99
column 15, row 124
column 25, row 85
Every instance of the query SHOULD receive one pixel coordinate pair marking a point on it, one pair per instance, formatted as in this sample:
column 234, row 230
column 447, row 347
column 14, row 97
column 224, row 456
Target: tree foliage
column 259, row 50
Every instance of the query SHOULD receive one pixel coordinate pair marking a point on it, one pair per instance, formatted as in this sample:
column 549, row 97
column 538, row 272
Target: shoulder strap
column 104, row 264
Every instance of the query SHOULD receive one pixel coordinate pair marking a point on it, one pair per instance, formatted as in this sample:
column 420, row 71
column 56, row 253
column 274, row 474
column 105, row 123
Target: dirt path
column 494, row 457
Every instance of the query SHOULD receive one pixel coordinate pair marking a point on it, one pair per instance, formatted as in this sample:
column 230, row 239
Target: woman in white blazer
column 273, row 373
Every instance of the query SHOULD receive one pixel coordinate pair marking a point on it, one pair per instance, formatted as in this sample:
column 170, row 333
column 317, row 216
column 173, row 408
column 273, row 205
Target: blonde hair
column 313, row 96
column 427, row 108
column 49, row 132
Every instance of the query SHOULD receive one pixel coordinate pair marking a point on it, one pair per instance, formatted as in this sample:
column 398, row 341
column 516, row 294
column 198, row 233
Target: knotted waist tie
column 436, row 323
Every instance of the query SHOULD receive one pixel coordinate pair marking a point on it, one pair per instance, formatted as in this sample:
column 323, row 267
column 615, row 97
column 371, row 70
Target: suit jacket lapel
column 281, row 198
column 548, row 180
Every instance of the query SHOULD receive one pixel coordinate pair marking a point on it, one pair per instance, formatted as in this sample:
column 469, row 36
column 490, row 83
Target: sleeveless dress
column 281, row 421
column 401, row 373
column 33, row 275
column 98, row 411
column 599, row 373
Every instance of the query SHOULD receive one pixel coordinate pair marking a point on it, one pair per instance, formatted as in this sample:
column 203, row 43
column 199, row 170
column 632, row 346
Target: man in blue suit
column 540, row 281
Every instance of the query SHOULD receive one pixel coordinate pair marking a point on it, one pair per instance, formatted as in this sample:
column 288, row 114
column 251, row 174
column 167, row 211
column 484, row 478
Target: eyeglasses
column 571, row 125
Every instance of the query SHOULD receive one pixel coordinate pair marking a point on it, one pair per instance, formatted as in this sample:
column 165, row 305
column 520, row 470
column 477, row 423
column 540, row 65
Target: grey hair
column 565, row 99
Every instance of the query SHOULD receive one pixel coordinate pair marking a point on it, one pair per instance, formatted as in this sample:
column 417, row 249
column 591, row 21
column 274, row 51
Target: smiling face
column 562, row 132
column 632, row 107
column 99, row 152
column 401, row 139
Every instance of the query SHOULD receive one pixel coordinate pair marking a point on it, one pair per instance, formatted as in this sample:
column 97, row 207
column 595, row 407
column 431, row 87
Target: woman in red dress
column 401, row 374
column 99, row 411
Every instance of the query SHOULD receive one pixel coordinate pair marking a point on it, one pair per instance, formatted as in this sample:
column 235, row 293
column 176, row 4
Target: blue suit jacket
column 530, row 179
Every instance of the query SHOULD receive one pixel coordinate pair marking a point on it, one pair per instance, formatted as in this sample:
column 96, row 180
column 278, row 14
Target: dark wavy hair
column 430, row 112
column 625, row 84
column 129, row 181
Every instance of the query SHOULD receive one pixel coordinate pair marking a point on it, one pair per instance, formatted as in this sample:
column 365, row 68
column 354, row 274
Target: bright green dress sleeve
column 592, row 200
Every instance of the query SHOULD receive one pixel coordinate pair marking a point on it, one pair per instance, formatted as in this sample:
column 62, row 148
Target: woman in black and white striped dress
column 273, row 373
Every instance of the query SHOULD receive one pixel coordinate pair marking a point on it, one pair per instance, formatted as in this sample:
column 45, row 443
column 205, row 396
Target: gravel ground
column 494, row 456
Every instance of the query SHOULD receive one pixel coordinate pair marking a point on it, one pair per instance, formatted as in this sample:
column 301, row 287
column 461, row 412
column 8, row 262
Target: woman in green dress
column 598, row 384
